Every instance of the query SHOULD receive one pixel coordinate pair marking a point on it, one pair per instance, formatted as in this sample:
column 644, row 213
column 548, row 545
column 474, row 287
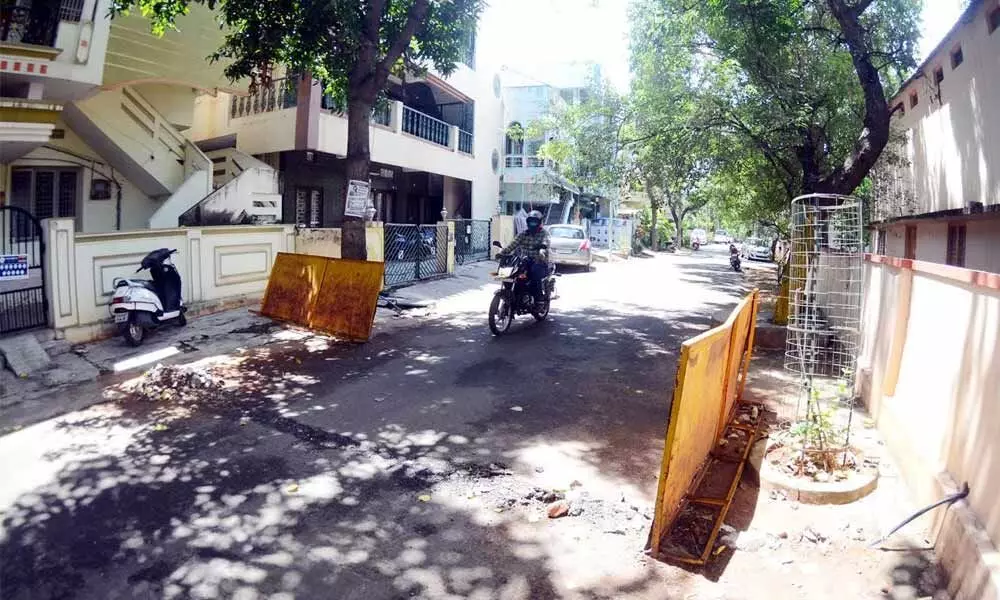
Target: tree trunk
column 654, row 238
column 875, row 135
column 356, row 166
column 678, row 227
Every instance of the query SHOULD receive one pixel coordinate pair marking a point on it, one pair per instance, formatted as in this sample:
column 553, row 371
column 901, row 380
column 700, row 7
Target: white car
column 721, row 237
column 570, row 246
column 757, row 250
column 699, row 236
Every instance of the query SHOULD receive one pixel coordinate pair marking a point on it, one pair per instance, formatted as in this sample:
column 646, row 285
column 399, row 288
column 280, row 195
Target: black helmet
column 534, row 220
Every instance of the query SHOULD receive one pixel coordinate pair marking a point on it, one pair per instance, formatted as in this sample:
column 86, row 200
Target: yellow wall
column 930, row 376
column 180, row 57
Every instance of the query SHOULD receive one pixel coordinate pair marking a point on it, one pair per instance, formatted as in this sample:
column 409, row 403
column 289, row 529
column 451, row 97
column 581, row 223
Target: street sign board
column 13, row 266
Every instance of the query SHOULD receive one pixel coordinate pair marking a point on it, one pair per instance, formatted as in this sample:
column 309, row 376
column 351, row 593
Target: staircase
column 136, row 139
column 224, row 186
column 245, row 191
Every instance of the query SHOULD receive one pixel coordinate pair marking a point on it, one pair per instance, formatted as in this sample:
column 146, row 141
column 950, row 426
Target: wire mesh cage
column 824, row 324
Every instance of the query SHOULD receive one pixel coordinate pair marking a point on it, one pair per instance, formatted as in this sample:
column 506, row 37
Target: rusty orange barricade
column 711, row 374
column 331, row 295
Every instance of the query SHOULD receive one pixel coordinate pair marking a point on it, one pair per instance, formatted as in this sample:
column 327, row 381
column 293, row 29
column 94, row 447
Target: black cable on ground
column 951, row 499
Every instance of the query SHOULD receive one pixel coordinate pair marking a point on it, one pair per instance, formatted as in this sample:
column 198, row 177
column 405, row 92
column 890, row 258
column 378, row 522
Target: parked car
column 722, row 237
column 757, row 249
column 570, row 246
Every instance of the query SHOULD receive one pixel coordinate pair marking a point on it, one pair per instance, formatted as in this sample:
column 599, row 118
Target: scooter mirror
column 498, row 244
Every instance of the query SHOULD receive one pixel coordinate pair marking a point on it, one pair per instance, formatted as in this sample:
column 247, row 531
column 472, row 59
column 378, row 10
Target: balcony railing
column 519, row 160
column 382, row 115
column 29, row 24
column 464, row 141
column 425, row 127
column 281, row 94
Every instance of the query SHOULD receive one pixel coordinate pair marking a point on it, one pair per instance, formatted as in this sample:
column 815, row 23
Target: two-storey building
column 942, row 202
column 435, row 144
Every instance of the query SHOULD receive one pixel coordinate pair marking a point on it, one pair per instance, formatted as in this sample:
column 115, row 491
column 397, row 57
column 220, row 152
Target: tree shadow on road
column 317, row 470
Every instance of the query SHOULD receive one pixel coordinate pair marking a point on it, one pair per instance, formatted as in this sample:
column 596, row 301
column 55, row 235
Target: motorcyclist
column 531, row 242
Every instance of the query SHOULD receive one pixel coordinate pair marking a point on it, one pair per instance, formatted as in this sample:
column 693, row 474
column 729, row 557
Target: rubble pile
column 181, row 382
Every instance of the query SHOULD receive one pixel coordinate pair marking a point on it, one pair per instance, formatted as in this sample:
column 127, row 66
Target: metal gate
column 472, row 240
column 23, row 304
column 414, row 252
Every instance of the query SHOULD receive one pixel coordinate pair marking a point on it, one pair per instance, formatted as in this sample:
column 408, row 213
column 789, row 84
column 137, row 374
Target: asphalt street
column 360, row 471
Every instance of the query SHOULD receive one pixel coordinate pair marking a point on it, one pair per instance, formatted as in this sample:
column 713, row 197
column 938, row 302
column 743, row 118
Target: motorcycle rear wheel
column 501, row 314
column 132, row 332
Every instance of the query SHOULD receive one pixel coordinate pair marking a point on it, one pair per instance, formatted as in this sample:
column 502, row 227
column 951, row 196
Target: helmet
column 534, row 220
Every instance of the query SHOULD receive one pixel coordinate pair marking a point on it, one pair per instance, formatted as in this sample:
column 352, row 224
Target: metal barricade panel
column 332, row 295
column 347, row 300
column 711, row 374
column 694, row 420
column 293, row 286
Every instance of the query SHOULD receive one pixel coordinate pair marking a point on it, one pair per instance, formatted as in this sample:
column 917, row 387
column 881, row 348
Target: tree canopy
column 781, row 97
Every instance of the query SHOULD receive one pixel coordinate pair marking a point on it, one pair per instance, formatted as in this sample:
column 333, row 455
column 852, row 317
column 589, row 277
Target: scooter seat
column 146, row 283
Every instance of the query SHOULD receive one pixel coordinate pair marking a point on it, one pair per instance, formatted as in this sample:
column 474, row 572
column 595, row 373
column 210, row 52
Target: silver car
column 570, row 246
column 757, row 250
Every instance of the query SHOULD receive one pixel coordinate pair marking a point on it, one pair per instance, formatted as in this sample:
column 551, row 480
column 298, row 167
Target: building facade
column 435, row 145
column 530, row 181
column 941, row 203
column 95, row 114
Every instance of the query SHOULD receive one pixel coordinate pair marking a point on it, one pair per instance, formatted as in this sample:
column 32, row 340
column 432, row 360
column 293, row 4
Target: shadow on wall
column 275, row 484
column 196, row 217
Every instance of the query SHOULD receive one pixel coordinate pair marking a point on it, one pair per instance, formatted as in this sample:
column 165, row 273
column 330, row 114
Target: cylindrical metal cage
column 825, row 287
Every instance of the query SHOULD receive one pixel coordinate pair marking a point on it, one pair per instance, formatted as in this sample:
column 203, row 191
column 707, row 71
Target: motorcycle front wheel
column 501, row 314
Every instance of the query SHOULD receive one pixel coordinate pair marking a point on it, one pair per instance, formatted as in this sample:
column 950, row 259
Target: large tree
column 676, row 157
column 351, row 46
column 805, row 80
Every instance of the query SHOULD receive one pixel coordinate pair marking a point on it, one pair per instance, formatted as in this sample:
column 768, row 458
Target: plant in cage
column 825, row 289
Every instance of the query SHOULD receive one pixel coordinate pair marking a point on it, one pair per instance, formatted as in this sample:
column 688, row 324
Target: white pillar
column 60, row 272
column 396, row 116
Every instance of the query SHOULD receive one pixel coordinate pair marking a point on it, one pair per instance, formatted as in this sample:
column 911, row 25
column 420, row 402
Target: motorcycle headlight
column 505, row 272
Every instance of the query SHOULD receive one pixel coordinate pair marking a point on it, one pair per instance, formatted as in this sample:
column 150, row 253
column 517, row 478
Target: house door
column 910, row 249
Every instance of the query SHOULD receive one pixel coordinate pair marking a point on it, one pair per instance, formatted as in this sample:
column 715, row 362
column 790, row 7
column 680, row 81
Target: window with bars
column 956, row 245
column 880, row 240
column 70, row 10
column 46, row 193
column 308, row 207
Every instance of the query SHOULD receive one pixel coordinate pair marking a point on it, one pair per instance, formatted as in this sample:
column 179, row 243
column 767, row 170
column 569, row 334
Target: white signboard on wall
column 13, row 266
column 357, row 198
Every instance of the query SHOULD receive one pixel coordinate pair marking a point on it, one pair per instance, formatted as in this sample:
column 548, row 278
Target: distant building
column 530, row 181
column 944, row 206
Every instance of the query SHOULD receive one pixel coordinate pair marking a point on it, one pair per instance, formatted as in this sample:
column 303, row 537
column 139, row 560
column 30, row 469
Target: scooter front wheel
column 132, row 331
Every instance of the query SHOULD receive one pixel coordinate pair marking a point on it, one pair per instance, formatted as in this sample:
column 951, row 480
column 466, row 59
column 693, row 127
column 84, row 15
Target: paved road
column 372, row 471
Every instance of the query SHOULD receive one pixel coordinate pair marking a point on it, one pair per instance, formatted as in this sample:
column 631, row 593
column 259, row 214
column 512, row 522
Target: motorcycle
column 695, row 245
column 514, row 296
column 138, row 305
column 734, row 258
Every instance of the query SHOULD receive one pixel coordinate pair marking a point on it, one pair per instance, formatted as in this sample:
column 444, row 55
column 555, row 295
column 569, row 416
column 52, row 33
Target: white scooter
column 140, row 304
